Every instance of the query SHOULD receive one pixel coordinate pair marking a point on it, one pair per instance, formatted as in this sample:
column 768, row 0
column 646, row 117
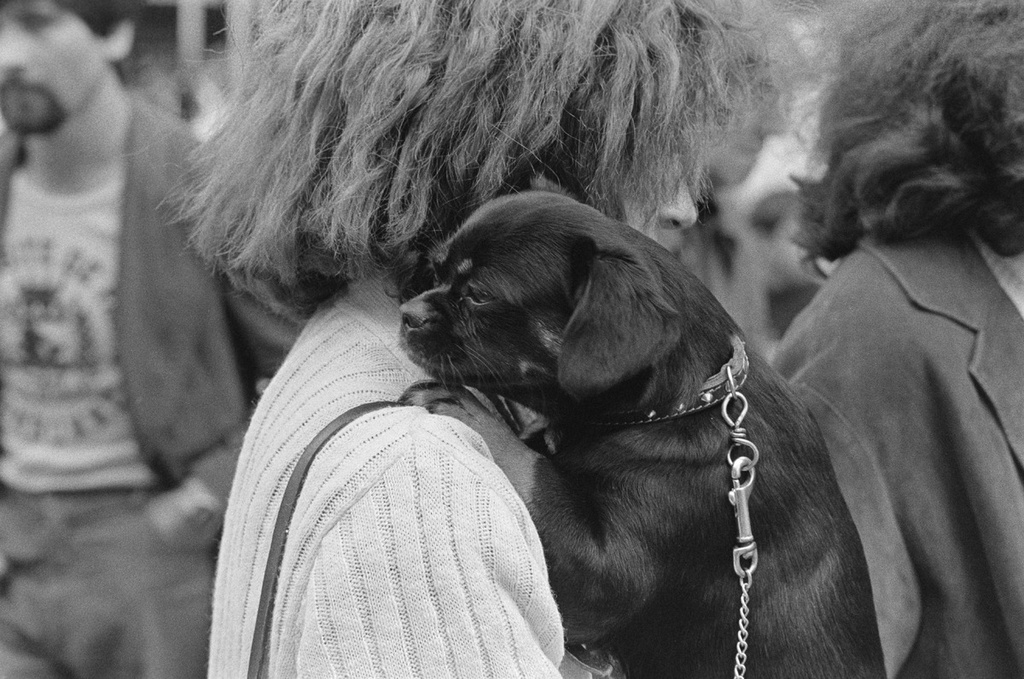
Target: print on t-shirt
column 61, row 384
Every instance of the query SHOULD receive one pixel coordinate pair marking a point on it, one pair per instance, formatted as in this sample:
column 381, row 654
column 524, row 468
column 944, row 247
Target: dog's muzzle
column 417, row 314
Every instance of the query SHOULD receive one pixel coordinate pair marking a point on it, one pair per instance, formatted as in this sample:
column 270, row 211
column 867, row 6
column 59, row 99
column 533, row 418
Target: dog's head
column 539, row 297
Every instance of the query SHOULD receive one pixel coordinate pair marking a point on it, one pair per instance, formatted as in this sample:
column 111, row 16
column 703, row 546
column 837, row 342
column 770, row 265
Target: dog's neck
column 691, row 380
column 729, row 378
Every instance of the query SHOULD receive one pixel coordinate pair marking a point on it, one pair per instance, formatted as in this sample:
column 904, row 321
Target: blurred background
column 183, row 56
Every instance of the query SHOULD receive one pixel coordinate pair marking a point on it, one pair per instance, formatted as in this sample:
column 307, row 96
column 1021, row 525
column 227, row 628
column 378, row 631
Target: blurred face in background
column 51, row 64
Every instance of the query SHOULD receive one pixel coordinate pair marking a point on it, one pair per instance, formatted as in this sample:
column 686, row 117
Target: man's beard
column 28, row 108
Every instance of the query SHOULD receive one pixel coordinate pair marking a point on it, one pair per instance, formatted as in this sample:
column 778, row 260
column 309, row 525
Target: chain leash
column 742, row 458
column 741, row 643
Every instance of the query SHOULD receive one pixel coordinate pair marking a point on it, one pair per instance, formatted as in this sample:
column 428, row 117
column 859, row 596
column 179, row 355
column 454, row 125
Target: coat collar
column 950, row 278
column 942, row 277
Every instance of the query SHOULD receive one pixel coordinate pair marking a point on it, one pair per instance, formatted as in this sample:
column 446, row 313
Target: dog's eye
column 475, row 295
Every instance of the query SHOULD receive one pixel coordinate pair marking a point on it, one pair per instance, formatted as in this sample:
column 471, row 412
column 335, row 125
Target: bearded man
column 126, row 370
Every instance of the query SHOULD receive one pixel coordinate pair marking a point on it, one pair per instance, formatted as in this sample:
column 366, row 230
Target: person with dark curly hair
column 912, row 354
column 364, row 132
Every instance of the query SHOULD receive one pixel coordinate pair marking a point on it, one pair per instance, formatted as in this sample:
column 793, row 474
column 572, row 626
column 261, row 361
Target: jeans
column 93, row 592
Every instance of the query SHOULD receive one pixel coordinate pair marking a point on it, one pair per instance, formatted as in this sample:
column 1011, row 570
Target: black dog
column 547, row 302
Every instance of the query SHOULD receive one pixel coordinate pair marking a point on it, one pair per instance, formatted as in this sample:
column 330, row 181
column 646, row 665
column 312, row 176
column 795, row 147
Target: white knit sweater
column 409, row 554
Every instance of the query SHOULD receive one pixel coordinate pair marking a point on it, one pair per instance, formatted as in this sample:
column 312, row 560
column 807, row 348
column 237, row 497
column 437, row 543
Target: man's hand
column 188, row 515
column 513, row 456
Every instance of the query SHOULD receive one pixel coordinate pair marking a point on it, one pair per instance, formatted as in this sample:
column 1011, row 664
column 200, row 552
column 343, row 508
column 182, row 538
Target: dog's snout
column 416, row 314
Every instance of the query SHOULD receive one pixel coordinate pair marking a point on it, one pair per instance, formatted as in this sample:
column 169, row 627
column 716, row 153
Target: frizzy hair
column 922, row 127
column 364, row 130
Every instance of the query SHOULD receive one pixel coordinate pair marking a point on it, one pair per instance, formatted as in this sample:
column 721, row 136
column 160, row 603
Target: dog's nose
column 415, row 313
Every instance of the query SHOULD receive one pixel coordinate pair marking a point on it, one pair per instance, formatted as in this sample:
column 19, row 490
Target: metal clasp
column 744, row 552
column 739, row 496
column 742, row 487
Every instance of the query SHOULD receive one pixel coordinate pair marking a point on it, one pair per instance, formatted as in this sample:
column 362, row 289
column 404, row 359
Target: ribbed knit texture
column 409, row 554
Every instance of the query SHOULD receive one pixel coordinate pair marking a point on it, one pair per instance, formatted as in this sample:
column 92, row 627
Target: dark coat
column 191, row 351
column 911, row 357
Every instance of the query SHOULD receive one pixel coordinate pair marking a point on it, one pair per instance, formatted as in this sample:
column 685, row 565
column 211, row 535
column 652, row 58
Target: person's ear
column 117, row 44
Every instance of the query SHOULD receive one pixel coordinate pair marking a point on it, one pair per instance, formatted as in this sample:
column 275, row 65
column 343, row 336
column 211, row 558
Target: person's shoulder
column 863, row 283
column 859, row 298
column 394, row 445
column 339, row 356
column 434, row 437
column 860, row 328
column 442, row 448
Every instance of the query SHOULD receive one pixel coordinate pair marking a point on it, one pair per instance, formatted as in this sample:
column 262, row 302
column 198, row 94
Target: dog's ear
column 621, row 323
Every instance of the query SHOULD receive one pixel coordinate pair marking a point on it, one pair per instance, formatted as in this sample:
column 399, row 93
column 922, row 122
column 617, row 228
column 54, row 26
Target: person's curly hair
column 365, row 130
column 922, row 127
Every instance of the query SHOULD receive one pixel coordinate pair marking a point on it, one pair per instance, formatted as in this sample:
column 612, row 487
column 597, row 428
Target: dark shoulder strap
column 259, row 652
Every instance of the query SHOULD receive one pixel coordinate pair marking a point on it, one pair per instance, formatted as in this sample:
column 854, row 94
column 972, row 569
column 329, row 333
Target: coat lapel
column 952, row 279
column 998, row 368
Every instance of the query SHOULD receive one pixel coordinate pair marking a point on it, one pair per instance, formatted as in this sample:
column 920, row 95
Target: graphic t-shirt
column 64, row 425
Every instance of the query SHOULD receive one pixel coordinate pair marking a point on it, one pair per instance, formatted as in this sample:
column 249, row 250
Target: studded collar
column 712, row 391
